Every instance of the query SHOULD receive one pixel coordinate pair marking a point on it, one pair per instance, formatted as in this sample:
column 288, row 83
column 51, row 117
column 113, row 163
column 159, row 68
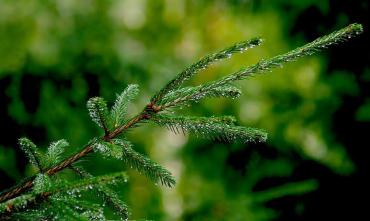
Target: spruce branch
column 227, row 91
column 109, row 196
column 119, row 108
column 203, row 64
column 98, row 112
column 267, row 65
column 317, row 45
column 54, row 153
column 277, row 62
column 108, row 149
column 112, row 199
column 41, row 183
column 210, row 127
column 62, row 207
column 221, row 128
column 28, row 183
column 144, row 165
column 183, row 96
column 88, row 183
column 65, row 208
column 30, row 149
column 122, row 149
column 71, row 188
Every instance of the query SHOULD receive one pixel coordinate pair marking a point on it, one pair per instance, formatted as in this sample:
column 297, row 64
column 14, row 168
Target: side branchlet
column 98, row 112
column 31, row 151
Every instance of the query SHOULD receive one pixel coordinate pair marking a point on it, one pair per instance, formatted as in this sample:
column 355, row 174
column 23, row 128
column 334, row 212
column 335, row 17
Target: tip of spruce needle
column 356, row 28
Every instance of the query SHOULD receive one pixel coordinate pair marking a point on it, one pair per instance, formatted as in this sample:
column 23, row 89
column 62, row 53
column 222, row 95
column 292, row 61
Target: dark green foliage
column 204, row 63
column 108, row 149
column 54, row 152
column 201, row 91
column 143, row 164
column 87, row 183
column 30, row 149
column 42, row 183
column 64, row 198
column 185, row 95
column 119, row 108
column 211, row 127
column 98, row 112
column 43, row 160
column 109, row 196
column 277, row 61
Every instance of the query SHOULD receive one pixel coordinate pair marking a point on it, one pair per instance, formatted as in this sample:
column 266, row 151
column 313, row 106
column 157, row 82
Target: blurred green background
column 54, row 55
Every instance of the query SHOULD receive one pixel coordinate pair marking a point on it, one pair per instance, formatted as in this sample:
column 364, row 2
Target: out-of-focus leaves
column 8, row 163
column 363, row 113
